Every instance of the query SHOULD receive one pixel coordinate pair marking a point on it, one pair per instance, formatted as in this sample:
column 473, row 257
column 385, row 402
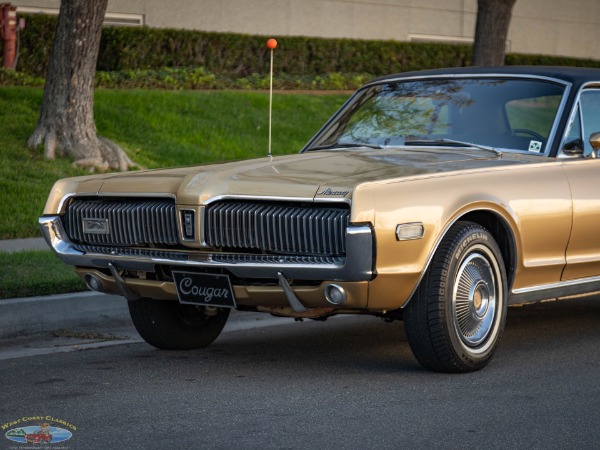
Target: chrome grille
column 128, row 223
column 276, row 228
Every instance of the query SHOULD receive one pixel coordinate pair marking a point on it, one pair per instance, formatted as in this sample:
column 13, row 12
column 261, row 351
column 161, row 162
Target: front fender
column 539, row 223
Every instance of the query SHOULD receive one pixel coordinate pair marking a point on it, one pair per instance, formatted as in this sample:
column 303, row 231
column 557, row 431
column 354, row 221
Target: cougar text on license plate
column 204, row 289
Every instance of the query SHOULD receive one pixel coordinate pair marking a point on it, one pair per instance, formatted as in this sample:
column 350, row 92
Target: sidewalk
column 19, row 245
column 30, row 315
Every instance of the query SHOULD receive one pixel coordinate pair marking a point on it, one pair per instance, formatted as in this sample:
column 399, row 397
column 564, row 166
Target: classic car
column 436, row 197
column 38, row 437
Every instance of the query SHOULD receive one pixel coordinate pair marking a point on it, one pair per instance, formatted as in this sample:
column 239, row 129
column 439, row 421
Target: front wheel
column 169, row 325
column 456, row 317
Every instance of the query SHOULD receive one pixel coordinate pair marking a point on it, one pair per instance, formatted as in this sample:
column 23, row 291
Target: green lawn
column 32, row 273
column 157, row 128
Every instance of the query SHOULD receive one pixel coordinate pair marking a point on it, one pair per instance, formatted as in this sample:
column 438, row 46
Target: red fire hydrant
column 8, row 30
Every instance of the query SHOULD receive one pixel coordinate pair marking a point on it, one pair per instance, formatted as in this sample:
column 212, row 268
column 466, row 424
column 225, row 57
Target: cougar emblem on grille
column 96, row 226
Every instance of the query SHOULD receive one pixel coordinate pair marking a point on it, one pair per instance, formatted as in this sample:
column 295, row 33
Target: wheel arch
column 500, row 228
column 503, row 235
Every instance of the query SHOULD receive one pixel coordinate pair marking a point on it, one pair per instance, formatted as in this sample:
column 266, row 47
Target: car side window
column 589, row 103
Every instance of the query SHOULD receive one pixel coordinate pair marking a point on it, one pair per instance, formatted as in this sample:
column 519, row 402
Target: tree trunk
column 491, row 31
column 66, row 123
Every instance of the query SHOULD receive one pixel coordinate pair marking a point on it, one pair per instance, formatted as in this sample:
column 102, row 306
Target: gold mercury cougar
column 436, row 197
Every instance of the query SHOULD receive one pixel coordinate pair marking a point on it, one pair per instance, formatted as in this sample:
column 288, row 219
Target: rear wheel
column 455, row 320
column 170, row 325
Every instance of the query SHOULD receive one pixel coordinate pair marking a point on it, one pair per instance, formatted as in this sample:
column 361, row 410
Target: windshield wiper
column 345, row 145
column 452, row 141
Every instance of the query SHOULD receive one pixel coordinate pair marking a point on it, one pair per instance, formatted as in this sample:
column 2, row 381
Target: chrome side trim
column 555, row 290
column 356, row 266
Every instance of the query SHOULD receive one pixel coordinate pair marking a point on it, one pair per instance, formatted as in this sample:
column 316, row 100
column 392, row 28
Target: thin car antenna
column 271, row 43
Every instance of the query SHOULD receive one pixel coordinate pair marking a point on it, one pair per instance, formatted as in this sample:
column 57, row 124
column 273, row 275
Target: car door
column 583, row 174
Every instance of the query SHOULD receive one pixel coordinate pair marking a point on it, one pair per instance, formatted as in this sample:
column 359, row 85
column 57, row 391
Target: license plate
column 204, row 289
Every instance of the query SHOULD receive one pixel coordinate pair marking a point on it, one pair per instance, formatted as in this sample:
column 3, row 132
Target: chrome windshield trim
column 468, row 75
column 559, row 115
column 356, row 266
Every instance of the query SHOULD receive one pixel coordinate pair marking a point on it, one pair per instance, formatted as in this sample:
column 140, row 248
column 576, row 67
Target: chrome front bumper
column 357, row 265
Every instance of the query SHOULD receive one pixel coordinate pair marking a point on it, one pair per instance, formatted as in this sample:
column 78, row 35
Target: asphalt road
column 348, row 383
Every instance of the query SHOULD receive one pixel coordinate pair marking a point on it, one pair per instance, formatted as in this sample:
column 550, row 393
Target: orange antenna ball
column 271, row 43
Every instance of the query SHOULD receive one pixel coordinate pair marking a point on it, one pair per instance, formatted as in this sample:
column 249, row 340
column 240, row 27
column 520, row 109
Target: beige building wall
column 551, row 27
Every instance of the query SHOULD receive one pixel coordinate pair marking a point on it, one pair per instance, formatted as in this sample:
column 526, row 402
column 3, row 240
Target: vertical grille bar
column 274, row 228
column 128, row 223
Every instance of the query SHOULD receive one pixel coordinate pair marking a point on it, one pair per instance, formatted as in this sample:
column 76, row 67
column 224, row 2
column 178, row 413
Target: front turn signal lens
column 409, row 231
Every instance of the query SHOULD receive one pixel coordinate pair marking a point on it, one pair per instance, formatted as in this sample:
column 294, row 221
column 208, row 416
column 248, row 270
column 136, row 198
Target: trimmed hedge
column 199, row 78
column 513, row 59
column 17, row 78
column 35, row 44
column 129, row 48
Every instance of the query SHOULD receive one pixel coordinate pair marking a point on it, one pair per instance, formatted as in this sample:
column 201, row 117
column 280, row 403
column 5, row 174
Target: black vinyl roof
column 575, row 75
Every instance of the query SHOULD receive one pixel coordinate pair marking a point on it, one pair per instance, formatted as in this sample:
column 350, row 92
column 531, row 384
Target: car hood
column 308, row 175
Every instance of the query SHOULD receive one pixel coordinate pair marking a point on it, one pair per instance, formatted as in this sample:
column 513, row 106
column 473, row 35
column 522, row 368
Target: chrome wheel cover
column 477, row 299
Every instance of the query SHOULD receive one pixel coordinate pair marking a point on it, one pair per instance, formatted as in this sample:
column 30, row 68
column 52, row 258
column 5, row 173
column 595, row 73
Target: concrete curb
column 21, row 317
column 25, row 316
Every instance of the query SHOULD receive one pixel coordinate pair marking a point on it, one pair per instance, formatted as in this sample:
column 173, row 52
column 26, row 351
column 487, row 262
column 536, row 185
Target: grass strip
column 33, row 273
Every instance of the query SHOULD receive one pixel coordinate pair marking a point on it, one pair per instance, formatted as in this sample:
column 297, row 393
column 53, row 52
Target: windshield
column 511, row 114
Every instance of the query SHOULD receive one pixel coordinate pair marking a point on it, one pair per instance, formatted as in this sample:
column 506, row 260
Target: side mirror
column 595, row 140
column 595, row 143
